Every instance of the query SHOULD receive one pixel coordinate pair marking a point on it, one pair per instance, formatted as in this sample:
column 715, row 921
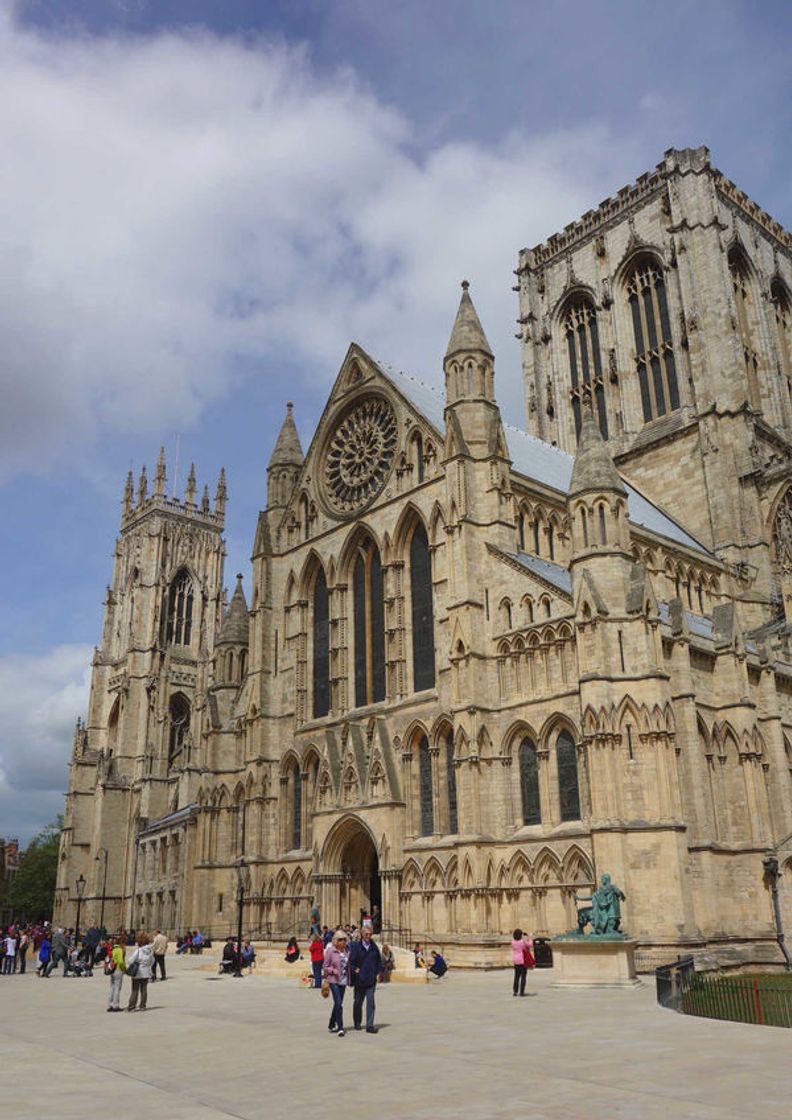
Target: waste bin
column 543, row 954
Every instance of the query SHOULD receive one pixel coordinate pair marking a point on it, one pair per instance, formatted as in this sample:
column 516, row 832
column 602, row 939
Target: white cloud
column 40, row 699
column 173, row 204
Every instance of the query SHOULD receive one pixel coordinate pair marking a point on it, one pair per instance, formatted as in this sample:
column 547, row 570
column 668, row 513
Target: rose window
column 360, row 455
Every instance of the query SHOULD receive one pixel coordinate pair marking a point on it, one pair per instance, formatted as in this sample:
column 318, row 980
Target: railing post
column 758, row 1001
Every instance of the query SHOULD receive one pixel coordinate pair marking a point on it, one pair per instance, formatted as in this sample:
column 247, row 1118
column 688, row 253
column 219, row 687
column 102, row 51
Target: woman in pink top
column 522, row 958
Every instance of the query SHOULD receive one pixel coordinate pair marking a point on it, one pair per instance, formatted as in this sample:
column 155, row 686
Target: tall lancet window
column 453, row 812
column 422, row 612
column 568, row 787
column 369, row 625
column 178, row 623
column 425, row 787
column 529, row 783
column 587, row 389
column 321, row 647
column 742, row 287
column 783, row 324
column 654, row 347
column 179, row 721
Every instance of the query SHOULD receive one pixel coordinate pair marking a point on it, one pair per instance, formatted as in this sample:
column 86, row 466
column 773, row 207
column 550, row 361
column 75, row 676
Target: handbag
column 133, row 968
column 528, row 959
column 325, row 989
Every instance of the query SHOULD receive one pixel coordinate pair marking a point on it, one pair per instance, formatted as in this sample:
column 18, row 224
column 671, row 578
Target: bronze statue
column 604, row 914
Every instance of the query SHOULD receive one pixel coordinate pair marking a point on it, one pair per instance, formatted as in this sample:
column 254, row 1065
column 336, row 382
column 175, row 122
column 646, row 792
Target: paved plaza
column 258, row 1048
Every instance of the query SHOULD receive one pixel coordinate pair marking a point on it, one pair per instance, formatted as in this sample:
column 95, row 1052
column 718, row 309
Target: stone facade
column 477, row 671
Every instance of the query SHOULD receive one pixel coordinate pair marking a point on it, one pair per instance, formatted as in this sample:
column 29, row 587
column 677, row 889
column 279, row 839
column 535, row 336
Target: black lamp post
column 241, row 867
column 772, row 872
column 102, row 852
column 80, row 893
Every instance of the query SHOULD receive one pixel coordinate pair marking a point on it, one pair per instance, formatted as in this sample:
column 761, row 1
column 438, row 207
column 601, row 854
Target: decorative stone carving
column 359, row 455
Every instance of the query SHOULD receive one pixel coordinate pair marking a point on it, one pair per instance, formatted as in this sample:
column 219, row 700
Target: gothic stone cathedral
column 482, row 666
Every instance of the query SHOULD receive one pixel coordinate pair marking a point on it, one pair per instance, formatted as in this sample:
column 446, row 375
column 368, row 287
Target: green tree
column 32, row 889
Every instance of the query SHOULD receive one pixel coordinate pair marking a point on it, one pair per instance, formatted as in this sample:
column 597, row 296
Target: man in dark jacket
column 365, row 965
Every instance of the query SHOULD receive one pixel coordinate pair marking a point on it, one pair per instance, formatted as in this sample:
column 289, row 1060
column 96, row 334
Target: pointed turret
column 142, row 486
column 190, row 489
column 597, row 497
column 159, row 477
column 235, row 626
column 468, row 334
column 285, row 463
column 205, row 500
column 129, row 491
column 594, row 468
column 221, row 494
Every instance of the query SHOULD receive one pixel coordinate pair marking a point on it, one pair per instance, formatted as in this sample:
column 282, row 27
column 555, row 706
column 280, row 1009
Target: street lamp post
column 80, row 893
column 771, row 870
column 241, row 867
column 102, row 851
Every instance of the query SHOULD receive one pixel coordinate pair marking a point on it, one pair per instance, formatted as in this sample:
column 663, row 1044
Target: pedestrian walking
column 365, row 965
column 43, row 957
column 159, row 948
column 522, row 958
column 336, row 974
column 9, row 960
column 115, row 967
column 316, row 949
column 139, row 969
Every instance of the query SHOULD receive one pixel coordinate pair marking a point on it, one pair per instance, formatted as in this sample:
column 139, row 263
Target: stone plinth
column 594, row 962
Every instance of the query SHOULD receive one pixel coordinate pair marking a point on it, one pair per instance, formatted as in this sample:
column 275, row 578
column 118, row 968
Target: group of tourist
column 192, row 942
column 147, row 956
column 358, row 965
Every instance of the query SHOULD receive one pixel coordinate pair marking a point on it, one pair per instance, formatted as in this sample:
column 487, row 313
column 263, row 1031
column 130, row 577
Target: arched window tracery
column 587, row 388
column 782, row 313
column 453, row 815
column 745, row 305
column 654, row 348
column 425, row 791
column 178, row 622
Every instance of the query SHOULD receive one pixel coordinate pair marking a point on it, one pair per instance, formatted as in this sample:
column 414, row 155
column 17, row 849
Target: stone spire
column 221, row 494
column 468, row 334
column 129, row 491
column 288, row 449
column 142, row 486
column 159, row 477
column 189, row 491
column 285, row 463
column 205, row 500
column 593, row 469
column 235, row 627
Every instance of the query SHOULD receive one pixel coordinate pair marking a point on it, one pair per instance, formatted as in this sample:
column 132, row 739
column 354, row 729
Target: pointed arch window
column 587, row 388
column 742, row 287
column 296, row 813
column 422, row 610
column 782, row 309
column 529, row 783
column 369, row 625
column 568, row 787
column 453, row 817
column 321, row 647
column 425, row 787
column 654, row 347
column 179, row 725
column 178, row 623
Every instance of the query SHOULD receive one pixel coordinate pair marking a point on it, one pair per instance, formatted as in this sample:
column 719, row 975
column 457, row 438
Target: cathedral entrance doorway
column 352, row 861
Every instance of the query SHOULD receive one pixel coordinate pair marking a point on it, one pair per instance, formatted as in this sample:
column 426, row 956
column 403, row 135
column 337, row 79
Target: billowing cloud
column 180, row 207
column 40, row 698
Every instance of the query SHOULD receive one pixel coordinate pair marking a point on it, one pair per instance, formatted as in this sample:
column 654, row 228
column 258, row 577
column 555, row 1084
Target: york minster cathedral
column 475, row 667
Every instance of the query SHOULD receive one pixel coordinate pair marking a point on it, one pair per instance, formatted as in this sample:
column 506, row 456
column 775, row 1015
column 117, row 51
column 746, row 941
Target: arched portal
column 351, row 864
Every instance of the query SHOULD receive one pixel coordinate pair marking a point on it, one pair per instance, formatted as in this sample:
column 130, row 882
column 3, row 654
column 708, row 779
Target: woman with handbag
column 522, row 958
column 115, row 967
column 139, row 970
column 336, row 975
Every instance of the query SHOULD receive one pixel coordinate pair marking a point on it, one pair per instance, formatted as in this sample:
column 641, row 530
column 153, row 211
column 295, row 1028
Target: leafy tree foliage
column 32, row 890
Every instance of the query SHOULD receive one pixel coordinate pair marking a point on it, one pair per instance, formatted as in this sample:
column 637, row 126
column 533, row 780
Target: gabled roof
column 538, row 460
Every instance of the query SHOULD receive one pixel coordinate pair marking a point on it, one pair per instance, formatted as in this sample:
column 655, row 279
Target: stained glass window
column 368, row 625
column 425, row 787
column 585, row 363
column 654, row 348
column 529, row 783
column 178, row 625
column 296, row 837
column 321, row 647
column 568, row 789
column 453, row 820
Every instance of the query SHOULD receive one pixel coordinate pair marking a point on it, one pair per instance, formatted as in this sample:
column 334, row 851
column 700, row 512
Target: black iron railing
column 764, row 1000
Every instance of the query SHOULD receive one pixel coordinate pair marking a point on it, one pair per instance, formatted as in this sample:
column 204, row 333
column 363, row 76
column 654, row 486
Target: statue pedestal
column 594, row 962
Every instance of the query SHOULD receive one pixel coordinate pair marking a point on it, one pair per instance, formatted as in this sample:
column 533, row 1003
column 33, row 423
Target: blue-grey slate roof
column 548, row 571
column 539, row 460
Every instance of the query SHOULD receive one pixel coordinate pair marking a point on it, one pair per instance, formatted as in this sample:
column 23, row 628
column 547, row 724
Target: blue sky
column 203, row 203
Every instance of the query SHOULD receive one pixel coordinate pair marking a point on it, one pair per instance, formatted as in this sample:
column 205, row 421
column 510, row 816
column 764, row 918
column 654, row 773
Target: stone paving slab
column 211, row 1047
